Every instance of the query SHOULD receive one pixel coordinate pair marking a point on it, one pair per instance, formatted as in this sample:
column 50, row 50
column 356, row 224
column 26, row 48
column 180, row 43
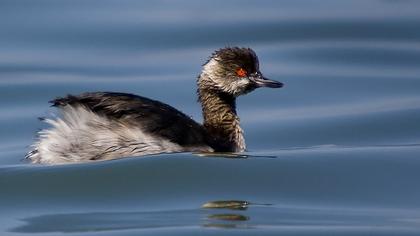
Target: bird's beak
column 262, row 81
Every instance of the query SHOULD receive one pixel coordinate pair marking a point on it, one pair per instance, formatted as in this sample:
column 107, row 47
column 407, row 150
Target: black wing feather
column 153, row 116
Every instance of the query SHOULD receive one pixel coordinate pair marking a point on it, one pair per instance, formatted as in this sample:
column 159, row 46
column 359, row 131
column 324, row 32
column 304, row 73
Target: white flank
column 81, row 135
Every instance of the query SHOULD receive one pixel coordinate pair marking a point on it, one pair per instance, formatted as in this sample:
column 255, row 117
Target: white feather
column 81, row 135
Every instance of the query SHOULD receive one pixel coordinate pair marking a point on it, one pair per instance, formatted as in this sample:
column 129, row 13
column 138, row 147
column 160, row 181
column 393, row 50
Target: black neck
column 220, row 120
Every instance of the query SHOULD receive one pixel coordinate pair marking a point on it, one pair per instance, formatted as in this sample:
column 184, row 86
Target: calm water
column 335, row 152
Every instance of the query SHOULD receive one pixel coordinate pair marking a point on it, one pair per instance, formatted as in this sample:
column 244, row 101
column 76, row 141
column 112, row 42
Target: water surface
column 334, row 152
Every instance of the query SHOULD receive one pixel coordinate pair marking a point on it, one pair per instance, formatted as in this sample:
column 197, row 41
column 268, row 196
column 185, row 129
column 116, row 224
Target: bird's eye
column 241, row 72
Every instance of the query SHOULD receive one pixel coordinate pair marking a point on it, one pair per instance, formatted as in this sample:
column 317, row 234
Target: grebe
column 108, row 125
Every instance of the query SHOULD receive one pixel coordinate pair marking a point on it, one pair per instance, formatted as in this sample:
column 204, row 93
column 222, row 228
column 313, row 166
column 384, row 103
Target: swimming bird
column 108, row 125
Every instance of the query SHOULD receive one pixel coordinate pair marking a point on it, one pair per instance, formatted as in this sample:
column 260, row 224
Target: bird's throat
column 221, row 120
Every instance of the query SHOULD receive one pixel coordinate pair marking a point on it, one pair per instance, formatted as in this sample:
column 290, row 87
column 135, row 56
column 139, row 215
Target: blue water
column 334, row 152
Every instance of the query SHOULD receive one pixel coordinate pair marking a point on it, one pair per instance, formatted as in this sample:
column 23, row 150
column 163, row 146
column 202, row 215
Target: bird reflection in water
column 227, row 220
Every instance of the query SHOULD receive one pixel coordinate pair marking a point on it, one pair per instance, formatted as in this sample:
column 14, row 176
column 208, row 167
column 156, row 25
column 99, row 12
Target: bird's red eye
column 241, row 72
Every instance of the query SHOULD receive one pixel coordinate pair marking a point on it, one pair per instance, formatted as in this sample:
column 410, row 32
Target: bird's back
column 104, row 125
